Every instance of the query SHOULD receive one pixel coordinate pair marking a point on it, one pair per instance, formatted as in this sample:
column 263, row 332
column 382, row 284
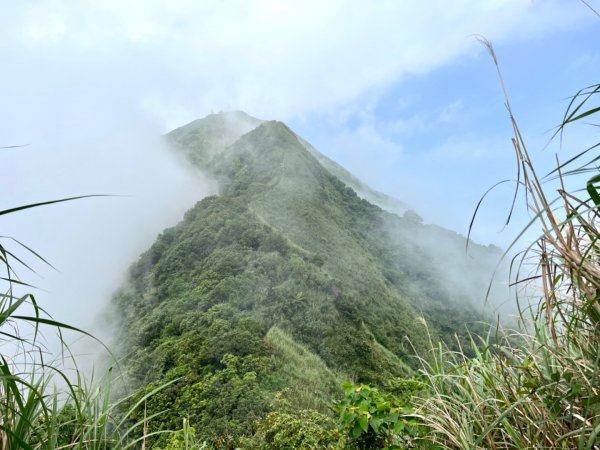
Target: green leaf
column 375, row 424
column 364, row 422
column 593, row 191
column 35, row 205
column 346, row 418
column 585, row 114
column 399, row 426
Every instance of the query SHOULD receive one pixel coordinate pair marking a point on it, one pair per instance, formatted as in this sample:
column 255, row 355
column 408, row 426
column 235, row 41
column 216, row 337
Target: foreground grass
column 534, row 388
column 538, row 388
column 34, row 413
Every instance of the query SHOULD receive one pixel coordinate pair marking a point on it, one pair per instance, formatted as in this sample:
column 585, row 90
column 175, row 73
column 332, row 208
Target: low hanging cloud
column 91, row 85
column 92, row 241
column 180, row 60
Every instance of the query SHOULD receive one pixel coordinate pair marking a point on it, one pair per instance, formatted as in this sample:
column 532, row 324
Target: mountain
column 289, row 281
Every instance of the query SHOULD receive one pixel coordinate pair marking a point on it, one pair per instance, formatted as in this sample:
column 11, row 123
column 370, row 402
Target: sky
column 400, row 93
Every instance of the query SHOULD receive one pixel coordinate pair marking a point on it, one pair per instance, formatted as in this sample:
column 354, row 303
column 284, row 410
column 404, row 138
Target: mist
column 89, row 89
column 474, row 277
column 92, row 241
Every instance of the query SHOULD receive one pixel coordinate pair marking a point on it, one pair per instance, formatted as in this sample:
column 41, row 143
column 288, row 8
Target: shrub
column 371, row 419
column 298, row 430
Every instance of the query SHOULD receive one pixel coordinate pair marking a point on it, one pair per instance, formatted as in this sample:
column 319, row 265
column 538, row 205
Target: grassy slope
column 285, row 245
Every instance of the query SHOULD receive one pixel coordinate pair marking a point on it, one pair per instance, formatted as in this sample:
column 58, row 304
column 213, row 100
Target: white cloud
column 87, row 82
column 43, row 29
column 277, row 59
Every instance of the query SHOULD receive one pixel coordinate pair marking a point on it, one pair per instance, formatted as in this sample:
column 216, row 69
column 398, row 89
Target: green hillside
column 284, row 285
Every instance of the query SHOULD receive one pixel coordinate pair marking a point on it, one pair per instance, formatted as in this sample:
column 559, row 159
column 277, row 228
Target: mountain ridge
column 363, row 190
column 287, row 263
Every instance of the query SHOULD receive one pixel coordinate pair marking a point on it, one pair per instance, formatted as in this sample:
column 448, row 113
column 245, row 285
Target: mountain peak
column 232, row 115
column 203, row 138
column 224, row 121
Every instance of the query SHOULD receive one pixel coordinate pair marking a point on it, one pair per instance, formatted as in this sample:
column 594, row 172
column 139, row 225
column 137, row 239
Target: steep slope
column 286, row 247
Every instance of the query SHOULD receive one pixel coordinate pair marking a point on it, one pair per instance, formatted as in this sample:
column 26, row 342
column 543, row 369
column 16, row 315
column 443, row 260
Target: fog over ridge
column 92, row 241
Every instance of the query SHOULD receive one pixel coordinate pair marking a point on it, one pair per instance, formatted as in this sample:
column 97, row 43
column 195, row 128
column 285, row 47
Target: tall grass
column 34, row 412
column 538, row 387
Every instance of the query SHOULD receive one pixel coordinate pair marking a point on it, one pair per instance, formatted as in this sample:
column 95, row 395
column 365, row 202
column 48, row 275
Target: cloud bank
column 90, row 85
column 180, row 60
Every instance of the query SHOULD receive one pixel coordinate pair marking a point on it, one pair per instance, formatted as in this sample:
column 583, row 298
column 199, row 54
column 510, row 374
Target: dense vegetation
column 282, row 286
column 241, row 326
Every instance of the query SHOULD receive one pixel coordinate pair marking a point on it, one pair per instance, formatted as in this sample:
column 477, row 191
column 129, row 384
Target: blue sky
column 444, row 137
column 399, row 92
